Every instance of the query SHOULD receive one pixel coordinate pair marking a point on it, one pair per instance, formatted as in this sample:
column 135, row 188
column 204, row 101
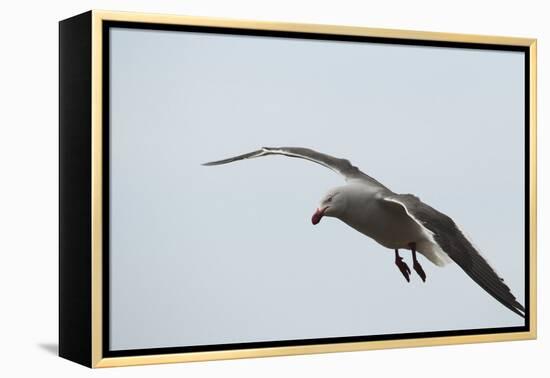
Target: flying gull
column 396, row 221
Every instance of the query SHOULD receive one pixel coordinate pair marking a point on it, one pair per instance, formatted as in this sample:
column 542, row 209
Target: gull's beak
column 319, row 213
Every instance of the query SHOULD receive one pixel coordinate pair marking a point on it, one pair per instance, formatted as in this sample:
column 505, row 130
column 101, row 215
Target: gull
column 396, row 221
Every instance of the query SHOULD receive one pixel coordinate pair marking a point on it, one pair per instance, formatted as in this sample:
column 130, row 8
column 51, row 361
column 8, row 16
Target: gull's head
column 331, row 205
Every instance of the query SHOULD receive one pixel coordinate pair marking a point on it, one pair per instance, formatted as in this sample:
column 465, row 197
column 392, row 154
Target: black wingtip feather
column 451, row 240
column 248, row 155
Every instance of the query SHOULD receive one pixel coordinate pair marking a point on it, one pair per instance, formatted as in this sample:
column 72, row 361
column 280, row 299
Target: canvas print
column 397, row 208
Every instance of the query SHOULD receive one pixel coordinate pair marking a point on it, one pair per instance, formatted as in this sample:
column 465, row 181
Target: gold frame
column 97, row 354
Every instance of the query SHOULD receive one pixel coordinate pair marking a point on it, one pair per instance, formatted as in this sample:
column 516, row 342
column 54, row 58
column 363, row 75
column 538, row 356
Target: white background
column 28, row 191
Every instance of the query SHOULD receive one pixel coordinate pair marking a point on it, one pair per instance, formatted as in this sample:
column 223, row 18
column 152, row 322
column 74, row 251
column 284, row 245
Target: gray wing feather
column 453, row 242
column 249, row 155
column 341, row 166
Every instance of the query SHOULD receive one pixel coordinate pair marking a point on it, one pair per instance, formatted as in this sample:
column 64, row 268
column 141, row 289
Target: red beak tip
column 316, row 218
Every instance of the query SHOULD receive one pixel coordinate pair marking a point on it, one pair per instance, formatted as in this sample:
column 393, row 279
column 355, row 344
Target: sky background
column 214, row 255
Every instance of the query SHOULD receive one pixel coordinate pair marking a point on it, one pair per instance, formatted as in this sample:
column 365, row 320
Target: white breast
column 389, row 228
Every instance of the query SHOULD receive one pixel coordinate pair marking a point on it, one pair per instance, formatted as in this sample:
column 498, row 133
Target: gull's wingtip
column 249, row 155
column 210, row 163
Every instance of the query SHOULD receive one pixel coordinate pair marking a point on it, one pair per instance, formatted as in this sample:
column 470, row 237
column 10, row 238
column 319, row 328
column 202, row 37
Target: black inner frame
column 107, row 25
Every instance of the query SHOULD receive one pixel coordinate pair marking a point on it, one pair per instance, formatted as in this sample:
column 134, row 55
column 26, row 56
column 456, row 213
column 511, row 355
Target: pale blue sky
column 212, row 255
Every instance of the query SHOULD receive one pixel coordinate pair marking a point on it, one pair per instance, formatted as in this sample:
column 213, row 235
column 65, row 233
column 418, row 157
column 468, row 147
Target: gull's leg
column 403, row 267
column 416, row 265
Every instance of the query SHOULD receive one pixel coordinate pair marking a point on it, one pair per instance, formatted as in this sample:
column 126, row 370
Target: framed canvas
column 184, row 238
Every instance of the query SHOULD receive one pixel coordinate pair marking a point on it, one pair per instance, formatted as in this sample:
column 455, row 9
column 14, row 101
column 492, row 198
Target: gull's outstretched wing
column 452, row 241
column 341, row 166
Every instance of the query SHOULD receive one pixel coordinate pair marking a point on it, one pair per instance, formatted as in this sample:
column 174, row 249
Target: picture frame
column 89, row 288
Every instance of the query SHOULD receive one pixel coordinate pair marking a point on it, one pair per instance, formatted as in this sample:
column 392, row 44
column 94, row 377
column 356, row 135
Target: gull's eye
column 329, row 199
